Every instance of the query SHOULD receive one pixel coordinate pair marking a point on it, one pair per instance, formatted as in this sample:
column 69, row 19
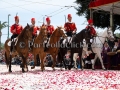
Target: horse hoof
column 69, row 68
column 65, row 68
column 53, row 69
column 10, row 71
column 26, row 69
column 93, row 69
column 76, row 68
column 23, row 70
column 32, row 67
column 104, row 69
column 82, row 69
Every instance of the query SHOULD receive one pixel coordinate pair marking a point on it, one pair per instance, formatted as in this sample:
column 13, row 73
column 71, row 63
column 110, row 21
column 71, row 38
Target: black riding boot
column 12, row 47
column 45, row 48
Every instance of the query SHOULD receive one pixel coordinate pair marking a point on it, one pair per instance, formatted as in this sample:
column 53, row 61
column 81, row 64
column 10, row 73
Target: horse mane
column 54, row 32
column 23, row 32
column 80, row 32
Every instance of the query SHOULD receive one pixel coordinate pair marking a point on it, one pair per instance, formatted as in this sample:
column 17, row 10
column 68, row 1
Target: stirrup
column 45, row 49
column 30, row 49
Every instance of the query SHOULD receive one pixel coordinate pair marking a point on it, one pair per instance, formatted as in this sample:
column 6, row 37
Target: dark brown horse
column 77, row 47
column 21, row 47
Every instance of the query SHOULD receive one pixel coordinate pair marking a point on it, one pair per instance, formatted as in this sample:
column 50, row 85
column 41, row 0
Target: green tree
column 101, row 18
column 2, row 25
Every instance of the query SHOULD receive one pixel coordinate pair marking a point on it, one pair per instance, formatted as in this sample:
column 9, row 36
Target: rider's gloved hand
column 73, row 32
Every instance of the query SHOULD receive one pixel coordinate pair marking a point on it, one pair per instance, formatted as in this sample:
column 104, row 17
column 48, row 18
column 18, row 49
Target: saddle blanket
column 15, row 39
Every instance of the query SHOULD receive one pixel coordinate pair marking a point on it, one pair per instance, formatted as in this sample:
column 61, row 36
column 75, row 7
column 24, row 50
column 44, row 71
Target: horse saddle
column 67, row 40
column 13, row 42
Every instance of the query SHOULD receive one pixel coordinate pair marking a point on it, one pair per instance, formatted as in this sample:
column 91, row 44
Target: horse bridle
column 60, row 33
column 43, row 35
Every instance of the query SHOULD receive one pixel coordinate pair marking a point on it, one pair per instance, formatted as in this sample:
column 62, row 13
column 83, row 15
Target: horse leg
column 42, row 57
column 63, row 59
column 24, row 64
column 34, row 62
column 93, row 62
column 60, row 58
column 75, row 58
column 64, row 63
column 10, row 57
column 70, row 66
column 81, row 61
column 54, row 61
column 82, row 64
column 103, row 67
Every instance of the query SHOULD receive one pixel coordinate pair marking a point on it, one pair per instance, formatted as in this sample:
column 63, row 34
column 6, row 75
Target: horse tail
column 6, row 59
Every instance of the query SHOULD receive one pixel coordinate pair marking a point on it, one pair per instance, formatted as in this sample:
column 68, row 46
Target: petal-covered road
column 58, row 80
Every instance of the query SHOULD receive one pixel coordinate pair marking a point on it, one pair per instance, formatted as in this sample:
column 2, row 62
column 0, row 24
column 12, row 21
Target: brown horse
column 37, row 48
column 54, row 44
column 21, row 47
column 53, row 50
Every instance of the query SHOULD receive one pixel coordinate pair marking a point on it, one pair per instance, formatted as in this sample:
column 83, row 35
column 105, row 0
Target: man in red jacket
column 70, row 27
column 91, row 28
column 34, row 34
column 92, row 31
column 35, row 28
column 50, row 29
column 15, row 30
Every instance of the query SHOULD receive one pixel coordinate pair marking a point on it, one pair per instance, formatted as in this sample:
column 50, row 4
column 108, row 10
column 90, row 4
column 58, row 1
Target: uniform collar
column 16, row 24
column 33, row 25
column 48, row 25
column 69, row 22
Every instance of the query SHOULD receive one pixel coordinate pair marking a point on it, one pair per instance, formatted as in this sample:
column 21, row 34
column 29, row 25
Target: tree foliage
column 3, row 25
column 101, row 18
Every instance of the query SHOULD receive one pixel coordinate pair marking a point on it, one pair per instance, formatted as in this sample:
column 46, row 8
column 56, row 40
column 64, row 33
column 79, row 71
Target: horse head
column 109, row 34
column 29, row 31
column 87, row 35
column 59, row 32
column 43, row 32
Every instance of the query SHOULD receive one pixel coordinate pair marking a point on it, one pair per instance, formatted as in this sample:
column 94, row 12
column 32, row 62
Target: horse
column 38, row 46
column 21, row 47
column 97, row 45
column 76, row 40
column 53, row 46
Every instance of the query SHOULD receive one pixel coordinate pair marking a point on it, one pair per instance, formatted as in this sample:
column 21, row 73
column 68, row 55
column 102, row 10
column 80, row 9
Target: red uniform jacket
column 92, row 30
column 35, row 30
column 70, row 26
column 18, row 28
column 50, row 29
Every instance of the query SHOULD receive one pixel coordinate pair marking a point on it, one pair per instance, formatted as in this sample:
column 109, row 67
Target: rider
column 35, row 28
column 15, row 30
column 92, row 31
column 50, row 29
column 70, row 27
